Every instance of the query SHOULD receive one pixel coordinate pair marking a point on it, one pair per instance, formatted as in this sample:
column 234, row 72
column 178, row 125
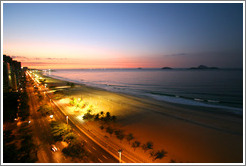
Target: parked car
column 54, row 148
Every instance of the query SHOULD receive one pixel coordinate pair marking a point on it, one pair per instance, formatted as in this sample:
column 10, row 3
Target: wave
column 171, row 98
column 195, row 102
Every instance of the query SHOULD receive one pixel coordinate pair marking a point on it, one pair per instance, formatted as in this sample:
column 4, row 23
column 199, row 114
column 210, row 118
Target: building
column 12, row 74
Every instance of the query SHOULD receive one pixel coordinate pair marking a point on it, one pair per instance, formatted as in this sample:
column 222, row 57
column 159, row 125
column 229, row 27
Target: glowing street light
column 119, row 151
column 67, row 119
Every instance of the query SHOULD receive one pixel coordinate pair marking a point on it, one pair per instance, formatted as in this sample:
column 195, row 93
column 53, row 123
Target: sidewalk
column 110, row 146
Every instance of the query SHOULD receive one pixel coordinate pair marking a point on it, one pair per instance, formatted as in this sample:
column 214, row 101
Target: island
column 203, row 67
column 166, row 68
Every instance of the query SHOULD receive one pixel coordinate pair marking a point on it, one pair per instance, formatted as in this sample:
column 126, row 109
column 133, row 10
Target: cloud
column 179, row 54
column 56, row 58
column 36, row 58
column 19, row 57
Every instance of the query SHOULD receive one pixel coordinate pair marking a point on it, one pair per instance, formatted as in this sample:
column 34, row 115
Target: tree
column 108, row 115
column 144, row 147
column 109, row 130
column 129, row 137
column 82, row 104
column 160, row 154
column 152, row 154
column 69, row 137
column 150, row 145
column 135, row 144
column 147, row 146
column 101, row 127
column 113, row 118
column 88, row 116
column 96, row 117
column 45, row 110
column 75, row 149
column 119, row 134
column 71, row 102
column 89, row 109
column 59, row 130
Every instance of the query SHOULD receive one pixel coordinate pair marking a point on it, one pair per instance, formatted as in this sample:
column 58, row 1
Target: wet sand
column 187, row 133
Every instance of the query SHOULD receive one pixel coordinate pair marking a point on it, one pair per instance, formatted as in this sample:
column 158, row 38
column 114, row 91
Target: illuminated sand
column 188, row 134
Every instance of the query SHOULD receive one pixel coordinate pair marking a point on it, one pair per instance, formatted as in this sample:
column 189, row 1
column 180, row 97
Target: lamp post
column 119, row 151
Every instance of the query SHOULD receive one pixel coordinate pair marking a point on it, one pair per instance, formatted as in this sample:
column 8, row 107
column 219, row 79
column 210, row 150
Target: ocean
column 221, row 88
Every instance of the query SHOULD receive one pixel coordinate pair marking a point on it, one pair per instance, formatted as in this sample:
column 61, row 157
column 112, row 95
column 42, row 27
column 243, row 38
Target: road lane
column 41, row 132
column 38, row 133
column 96, row 152
column 74, row 122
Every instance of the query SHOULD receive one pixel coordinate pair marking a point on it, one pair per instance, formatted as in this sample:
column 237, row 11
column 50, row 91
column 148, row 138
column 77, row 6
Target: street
column 43, row 136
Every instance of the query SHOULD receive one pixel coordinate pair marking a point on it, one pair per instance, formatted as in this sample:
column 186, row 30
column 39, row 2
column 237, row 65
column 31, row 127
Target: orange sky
column 69, row 63
column 87, row 35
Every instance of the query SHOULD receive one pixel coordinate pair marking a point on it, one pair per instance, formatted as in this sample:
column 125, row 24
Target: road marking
column 100, row 160
column 105, row 157
column 94, row 148
column 61, row 109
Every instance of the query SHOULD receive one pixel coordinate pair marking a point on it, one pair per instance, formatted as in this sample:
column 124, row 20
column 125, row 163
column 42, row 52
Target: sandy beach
column 189, row 134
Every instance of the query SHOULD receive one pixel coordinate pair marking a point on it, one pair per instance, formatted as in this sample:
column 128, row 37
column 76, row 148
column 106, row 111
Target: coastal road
column 41, row 133
column 105, row 148
column 99, row 154
column 104, row 151
column 96, row 153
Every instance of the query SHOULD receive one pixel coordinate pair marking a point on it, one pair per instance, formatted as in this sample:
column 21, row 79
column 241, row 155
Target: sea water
column 221, row 88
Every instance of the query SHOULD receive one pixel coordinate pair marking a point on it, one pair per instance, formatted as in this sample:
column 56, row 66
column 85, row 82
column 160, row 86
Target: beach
column 190, row 134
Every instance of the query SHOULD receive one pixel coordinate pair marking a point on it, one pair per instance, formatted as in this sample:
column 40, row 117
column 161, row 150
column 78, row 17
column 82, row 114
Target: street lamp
column 119, row 151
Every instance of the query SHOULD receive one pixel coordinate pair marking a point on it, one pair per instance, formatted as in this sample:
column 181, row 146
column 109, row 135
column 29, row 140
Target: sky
column 123, row 35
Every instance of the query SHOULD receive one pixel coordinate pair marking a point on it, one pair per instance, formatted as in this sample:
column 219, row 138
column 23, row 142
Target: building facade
column 12, row 74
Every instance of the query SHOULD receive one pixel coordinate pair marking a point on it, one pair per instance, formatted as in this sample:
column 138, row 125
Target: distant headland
column 203, row 67
column 167, row 68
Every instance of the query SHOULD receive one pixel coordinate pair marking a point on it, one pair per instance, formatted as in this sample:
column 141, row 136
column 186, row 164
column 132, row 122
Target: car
column 54, row 148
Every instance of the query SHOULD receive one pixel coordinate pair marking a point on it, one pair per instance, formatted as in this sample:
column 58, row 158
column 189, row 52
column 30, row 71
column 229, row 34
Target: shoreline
column 178, row 100
column 165, row 123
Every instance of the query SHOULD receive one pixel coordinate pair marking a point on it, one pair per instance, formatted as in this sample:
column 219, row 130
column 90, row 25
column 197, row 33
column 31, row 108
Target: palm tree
column 144, row 147
column 113, row 118
column 135, row 144
column 129, row 137
column 160, row 154
column 120, row 136
column 109, row 130
column 96, row 117
column 152, row 154
column 101, row 113
column 101, row 127
column 147, row 146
